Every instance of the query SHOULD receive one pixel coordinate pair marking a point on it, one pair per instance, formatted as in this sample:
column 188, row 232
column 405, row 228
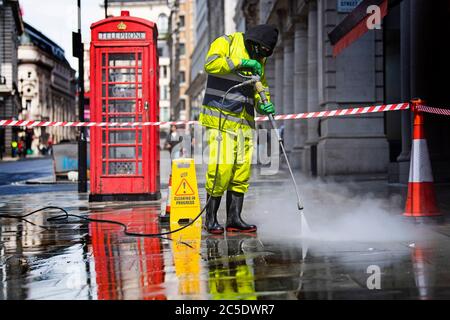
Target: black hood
column 264, row 34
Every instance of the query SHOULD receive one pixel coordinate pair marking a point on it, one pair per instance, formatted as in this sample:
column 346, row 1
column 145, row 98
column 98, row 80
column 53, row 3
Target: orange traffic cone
column 421, row 199
column 169, row 193
column 424, row 271
column 165, row 215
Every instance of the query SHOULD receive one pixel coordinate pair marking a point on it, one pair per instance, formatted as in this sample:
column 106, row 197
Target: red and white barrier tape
column 308, row 115
column 340, row 112
column 427, row 109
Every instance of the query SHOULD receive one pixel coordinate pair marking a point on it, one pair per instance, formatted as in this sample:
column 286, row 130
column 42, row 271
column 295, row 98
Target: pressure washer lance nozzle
column 260, row 89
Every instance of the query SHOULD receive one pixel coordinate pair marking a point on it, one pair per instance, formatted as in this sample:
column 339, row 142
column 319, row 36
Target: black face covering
column 256, row 51
column 261, row 40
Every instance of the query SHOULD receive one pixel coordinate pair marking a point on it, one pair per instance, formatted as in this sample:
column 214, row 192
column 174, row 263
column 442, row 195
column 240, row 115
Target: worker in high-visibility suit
column 230, row 276
column 231, row 124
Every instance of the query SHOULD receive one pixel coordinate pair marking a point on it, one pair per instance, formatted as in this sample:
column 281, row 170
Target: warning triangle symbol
column 184, row 189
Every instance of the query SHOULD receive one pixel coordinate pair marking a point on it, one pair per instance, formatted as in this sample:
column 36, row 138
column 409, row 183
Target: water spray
column 305, row 230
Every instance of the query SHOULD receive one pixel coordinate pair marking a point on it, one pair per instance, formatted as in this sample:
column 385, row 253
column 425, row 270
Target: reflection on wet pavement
column 79, row 260
column 127, row 267
column 231, row 272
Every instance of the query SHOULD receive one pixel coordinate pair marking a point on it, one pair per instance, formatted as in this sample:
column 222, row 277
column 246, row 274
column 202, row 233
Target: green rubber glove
column 266, row 109
column 252, row 64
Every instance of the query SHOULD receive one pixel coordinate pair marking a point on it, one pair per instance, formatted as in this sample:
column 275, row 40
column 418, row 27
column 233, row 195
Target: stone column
column 405, row 46
column 288, row 89
column 313, row 93
column 270, row 73
column 279, row 71
column 300, row 91
column 270, row 78
column 420, row 40
column 352, row 145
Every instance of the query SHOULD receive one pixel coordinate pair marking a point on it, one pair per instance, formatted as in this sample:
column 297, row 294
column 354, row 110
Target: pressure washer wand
column 260, row 89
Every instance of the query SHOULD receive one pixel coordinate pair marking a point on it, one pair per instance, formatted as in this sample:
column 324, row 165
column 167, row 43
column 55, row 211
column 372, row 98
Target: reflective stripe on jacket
column 237, row 112
column 236, row 100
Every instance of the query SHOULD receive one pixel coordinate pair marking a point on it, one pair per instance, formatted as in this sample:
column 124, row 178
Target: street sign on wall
column 346, row 6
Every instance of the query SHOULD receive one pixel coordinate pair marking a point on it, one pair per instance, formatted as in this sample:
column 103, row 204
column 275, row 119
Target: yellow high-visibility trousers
column 234, row 161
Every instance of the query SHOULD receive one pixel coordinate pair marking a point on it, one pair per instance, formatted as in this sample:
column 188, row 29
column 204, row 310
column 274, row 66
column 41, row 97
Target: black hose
column 64, row 217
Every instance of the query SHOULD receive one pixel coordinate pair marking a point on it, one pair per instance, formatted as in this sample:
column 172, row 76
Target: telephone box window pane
column 139, row 59
column 139, row 91
column 122, row 90
column 128, row 137
column 122, row 60
column 122, row 168
column 118, row 119
column 104, row 75
column 104, row 90
column 139, row 136
column 139, row 167
column 122, row 152
column 122, row 106
column 103, row 59
column 122, row 75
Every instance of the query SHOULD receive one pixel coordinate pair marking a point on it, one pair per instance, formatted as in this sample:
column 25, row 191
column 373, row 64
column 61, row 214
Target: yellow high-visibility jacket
column 222, row 63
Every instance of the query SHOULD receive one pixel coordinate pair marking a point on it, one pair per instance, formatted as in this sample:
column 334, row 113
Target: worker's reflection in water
column 230, row 276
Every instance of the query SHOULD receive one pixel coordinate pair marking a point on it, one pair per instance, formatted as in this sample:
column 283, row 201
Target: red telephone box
column 124, row 88
column 132, row 268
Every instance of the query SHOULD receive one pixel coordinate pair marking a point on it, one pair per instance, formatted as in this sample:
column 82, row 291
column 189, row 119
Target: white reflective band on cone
column 420, row 168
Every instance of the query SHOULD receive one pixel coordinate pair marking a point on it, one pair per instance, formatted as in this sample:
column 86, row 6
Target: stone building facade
column 157, row 11
column 405, row 59
column 213, row 18
column 11, row 27
column 417, row 65
column 47, row 87
column 308, row 78
column 181, row 45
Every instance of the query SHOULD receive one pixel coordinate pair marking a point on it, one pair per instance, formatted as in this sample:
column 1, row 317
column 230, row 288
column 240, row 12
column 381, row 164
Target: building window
column 27, row 104
column 163, row 50
column 164, row 71
column 182, row 105
column 182, row 77
column 182, row 49
column 164, row 93
column 181, row 23
column 163, row 23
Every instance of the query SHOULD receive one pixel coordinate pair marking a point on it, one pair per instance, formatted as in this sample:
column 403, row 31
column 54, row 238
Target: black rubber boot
column 212, row 245
column 235, row 200
column 211, row 224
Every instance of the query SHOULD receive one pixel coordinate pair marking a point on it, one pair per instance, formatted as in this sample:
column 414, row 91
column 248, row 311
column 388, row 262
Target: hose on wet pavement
column 65, row 216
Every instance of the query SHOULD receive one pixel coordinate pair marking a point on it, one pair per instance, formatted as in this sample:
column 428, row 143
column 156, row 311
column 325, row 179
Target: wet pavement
column 357, row 232
column 24, row 169
column 80, row 260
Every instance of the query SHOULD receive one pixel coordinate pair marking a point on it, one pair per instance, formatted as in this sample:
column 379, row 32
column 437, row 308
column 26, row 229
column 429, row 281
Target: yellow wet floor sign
column 184, row 201
column 185, row 189
column 186, row 254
